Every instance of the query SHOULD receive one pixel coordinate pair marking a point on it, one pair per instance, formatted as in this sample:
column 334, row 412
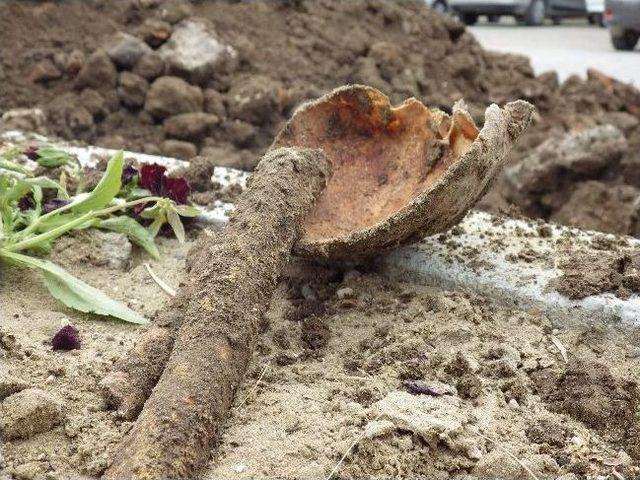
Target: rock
column 79, row 119
column 10, row 385
column 173, row 11
column 179, row 149
column 27, row 119
column 255, row 99
column 96, row 247
column 241, row 134
column 125, row 50
column 44, row 71
column 98, row 72
column 214, row 103
column 345, row 292
column 31, row 470
column 194, row 52
column 28, row 413
column 74, row 62
column 436, row 420
column 132, row 89
column 226, row 157
column 595, row 205
column 155, row 32
column 170, row 96
column 93, row 102
column 190, row 126
column 150, row 66
column 559, row 162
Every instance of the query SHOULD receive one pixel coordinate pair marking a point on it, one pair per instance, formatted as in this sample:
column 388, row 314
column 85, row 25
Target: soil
column 285, row 53
column 336, row 352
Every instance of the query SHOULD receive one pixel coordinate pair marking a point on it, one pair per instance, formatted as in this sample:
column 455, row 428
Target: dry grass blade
column 560, row 347
column 254, row 388
column 165, row 288
column 513, row 457
column 346, row 454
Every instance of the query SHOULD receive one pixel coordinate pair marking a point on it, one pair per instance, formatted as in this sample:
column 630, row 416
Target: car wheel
column 493, row 18
column 627, row 40
column 535, row 13
column 469, row 18
column 439, row 7
column 556, row 20
column 597, row 19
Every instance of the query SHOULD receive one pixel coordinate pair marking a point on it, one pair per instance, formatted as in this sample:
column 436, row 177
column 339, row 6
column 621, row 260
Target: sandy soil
column 339, row 354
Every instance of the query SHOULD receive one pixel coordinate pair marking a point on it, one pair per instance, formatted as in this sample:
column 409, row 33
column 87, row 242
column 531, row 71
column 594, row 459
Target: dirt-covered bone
column 401, row 173
column 228, row 290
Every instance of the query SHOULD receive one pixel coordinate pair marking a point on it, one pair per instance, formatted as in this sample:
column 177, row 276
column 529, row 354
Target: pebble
column 345, row 292
column 125, row 50
column 28, row 413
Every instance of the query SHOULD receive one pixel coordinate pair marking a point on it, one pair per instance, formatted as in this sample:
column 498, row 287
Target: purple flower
column 128, row 174
column 67, row 338
column 26, row 202
column 176, row 188
column 32, row 153
column 151, row 176
column 53, row 204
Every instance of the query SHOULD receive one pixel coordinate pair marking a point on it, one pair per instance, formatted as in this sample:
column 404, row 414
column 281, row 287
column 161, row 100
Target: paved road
column 568, row 49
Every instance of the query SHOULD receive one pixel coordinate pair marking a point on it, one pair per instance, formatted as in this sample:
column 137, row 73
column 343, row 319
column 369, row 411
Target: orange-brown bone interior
column 382, row 157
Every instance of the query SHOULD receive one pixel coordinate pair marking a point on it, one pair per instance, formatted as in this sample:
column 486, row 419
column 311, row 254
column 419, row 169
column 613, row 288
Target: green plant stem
column 58, row 231
column 31, row 228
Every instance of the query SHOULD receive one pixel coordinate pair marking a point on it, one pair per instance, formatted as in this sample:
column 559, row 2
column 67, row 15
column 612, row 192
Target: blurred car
column 595, row 11
column 439, row 6
column 623, row 19
column 529, row 12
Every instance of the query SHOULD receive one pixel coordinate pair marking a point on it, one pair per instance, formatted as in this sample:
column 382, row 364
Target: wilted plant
column 31, row 219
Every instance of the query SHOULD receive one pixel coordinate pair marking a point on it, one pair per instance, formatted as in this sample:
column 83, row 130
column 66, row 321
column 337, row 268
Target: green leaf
column 50, row 157
column 187, row 210
column 73, row 292
column 105, row 191
column 14, row 167
column 134, row 231
column 176, row 224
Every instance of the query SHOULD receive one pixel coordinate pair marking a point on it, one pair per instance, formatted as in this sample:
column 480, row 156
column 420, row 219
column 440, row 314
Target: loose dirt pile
column 343, row 356
column 219, row 78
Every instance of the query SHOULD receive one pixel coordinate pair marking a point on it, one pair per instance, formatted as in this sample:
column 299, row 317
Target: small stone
column 98, row 72
column 170, row 96
column 345, row 292
column 179, row 149
column 214, row 103
column 10, row 385
column 125, row 50
column 190, row 126
column 194, row 52
column 241, row 134
column 255, row 99
column 150, row 66
column 513, row 403
column 28, row 413
column 132, row 90
column 44, row 71
column 175, row 10
column 30, row 470
column 93, row 102
column 155, row 32
column 74, row 62
column 79, row 119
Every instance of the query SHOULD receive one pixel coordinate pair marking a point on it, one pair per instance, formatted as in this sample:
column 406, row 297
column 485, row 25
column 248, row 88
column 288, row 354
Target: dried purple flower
column 53, row 204
column 67, row 338
column 176, row 188
column 128, row 174
column 151, row 176
column 26, row 202
column 32, row 153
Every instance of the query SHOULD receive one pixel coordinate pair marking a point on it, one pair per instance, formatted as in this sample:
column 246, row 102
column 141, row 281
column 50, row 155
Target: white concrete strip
column 506, row 259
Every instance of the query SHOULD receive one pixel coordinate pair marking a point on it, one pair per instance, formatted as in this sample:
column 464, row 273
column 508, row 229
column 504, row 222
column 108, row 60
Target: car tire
column 439, row 7
column 627, row 40
column 535, row 13
column 597, row 19
column 556, row 20
column 493, row 18
column 469, row 18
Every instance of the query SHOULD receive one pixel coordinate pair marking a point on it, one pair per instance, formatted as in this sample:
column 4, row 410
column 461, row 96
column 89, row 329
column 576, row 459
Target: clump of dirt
column 590, row 393
column 585, row 274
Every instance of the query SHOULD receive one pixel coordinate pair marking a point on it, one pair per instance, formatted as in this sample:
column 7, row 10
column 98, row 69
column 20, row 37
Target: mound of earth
column 219, row 78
